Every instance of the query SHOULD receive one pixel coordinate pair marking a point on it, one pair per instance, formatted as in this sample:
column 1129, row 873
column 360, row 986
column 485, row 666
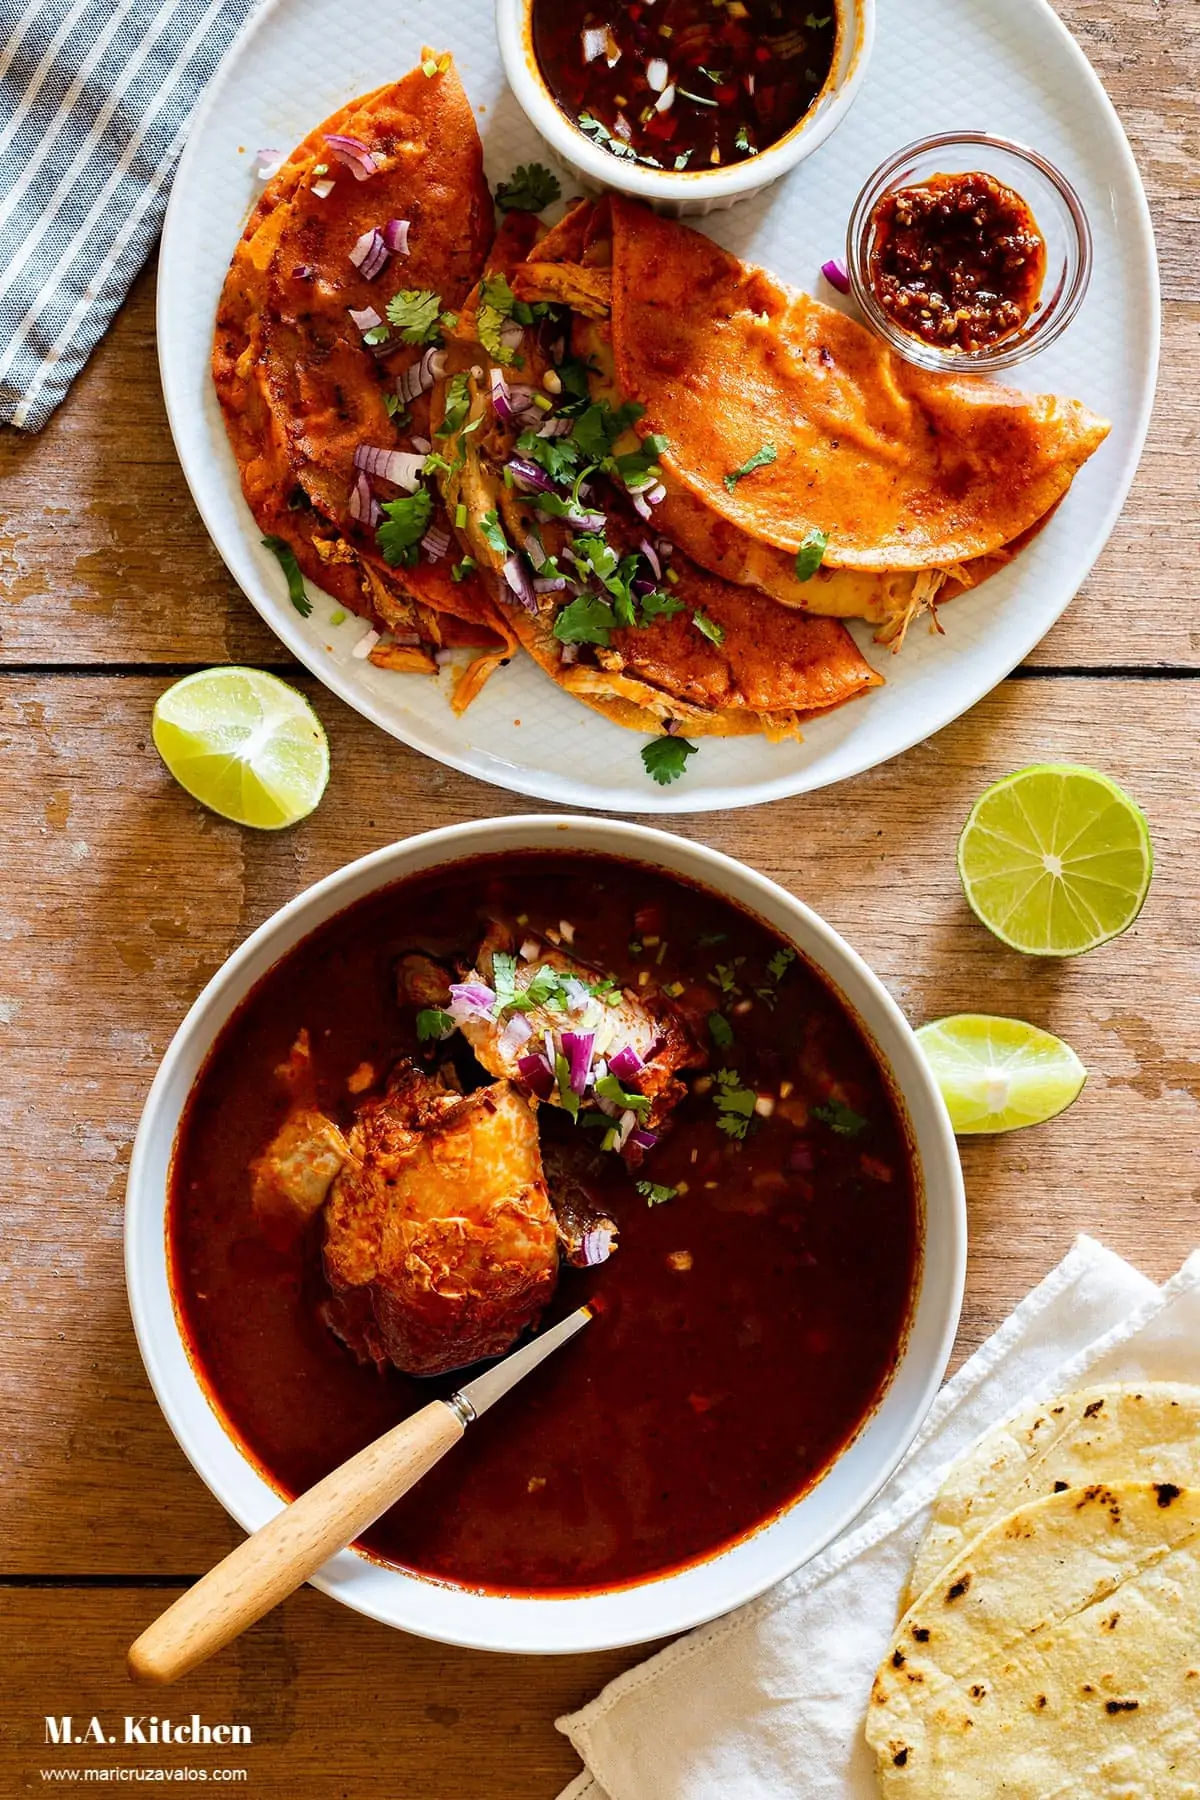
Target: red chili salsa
column 684, row 84
column 957, row 260
column 746, row 1325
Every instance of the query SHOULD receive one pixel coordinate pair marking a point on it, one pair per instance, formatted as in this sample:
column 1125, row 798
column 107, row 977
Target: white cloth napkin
column 770, row 1701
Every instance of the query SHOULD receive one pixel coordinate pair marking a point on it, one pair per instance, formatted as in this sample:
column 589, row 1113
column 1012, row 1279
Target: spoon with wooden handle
column 281, row 1555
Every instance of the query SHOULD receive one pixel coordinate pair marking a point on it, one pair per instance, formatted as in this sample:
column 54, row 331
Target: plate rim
column 543, row 784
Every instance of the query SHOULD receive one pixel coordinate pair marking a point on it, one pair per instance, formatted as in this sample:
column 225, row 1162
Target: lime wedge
column 245, row 743
column 999, row 1074
column 1055, row 859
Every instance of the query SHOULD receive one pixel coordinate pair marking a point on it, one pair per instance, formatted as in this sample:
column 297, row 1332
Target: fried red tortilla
column 300, row 389
column 902, row 469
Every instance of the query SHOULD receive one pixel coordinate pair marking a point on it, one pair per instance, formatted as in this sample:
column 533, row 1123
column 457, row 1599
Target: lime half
column 245, row 743
column 1055, row 859
column 999, row 1074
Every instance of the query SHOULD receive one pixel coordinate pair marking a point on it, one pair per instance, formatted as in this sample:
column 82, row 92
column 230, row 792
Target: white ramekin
column 684, row 191
column 669, row 1603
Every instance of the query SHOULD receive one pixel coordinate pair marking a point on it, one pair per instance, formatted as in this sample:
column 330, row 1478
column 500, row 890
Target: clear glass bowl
column 1055, row 206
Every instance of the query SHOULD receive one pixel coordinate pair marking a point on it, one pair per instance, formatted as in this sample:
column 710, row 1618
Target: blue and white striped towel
column 96, row 97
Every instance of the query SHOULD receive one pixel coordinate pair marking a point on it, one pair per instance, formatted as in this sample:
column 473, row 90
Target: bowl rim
column 1043, row 330
column 684, row 187
column 680, row 1599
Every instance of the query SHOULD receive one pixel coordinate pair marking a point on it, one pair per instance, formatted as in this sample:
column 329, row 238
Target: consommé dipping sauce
column 748, row 1321
column 685, row 84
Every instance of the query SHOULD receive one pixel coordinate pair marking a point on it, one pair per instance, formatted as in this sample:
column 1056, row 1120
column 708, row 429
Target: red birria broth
column 746, row 1326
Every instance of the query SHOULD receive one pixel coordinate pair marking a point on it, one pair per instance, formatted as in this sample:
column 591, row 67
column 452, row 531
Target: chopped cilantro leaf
column 609, row 1088
column 493, row 533
column 780, row 963
column 734, row 1103
column 742, row 141
column 710, row 938
column 587, row 620
column 594, row 127
column 815, row 24
column 759, row 460
column 725, row 977
column 457, row 405
column 599, row 426
column 530, row 188
column 708, row 628
column 666, row 758
column 396, row 410
column 291, row 568
column 415, row 312
column 720, row 1030
column 404, row 525
column 568, row 1098
column 433, row 1024
column 654, row 1193
column 557, row 456
column 842, row 1119
column 496, row 302
column 504, row 979
column 658, row 604
column 378, row 334
column 811, row 554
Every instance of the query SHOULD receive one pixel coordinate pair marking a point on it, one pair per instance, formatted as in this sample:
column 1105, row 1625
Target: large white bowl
column 669, row 1603
column 699, row 190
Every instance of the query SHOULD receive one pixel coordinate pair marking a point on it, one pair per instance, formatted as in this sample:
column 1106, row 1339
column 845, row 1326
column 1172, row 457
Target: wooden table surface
column 119, row 897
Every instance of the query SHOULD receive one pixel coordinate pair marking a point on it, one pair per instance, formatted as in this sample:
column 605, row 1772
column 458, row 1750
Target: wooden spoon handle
column 282, row 1554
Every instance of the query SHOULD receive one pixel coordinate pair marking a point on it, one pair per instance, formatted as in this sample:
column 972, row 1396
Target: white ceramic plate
column 938, row 65
column 670, row 1603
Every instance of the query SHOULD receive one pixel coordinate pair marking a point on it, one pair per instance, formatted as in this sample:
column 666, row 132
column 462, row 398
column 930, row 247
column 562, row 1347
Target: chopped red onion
column 656, row 74
column 555, row 428
column 835, row 274
column 597, row 1245
column 398, row 466
column 530, row 950
column 626, row 1128
column 657, row 494
column 322, row 189
column 665, row 549
column 530, row 475
column 436, row 543
column 470, row 1000
column 511, row 334
column 365, row 645
column 549, row 584
column 421, row 444
column 442, row 657
column 395, row 236
column 516, row 1033
column 521, row 582
column 645, row 1140
column 537, row 1075
column 535, row 549
column 595, row 42
column 362, row 504
column 641, row 506
column 370, row 254
column 666, row 99
column 420, row 377
column 584, row 521
column 568, row 653
column 353, row 152
column 651, row 555
column 577, row 1048
column 498, row 388
column 365, row 318
column 302, row 272
column 626, row 1063
column 268, row 163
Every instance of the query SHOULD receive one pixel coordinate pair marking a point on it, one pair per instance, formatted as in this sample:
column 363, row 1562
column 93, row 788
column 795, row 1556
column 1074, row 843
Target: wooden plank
column 122, row 896
column 338, row 1707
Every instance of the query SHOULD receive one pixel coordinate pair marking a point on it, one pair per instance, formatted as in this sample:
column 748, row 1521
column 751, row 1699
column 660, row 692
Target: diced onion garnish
column 656, row 74
column 322, row 189
column 621, row 126
column 657, row 494
column 530, row 950
column 354, row 153
column 369, row 254
column 577, row 995
column 517, row 1032
column 498, row 388
column 641, row 506
column 302, row 272
column 531, row 476
column 567, row 931
column 365, row 318
column 835, row 274
column 556, row 428
column 534, row 549
column 598, row 1244
column 395, row 236
column 268, row 163
column 666, row 99
column 537, row 1075
column 595, row 42
column 626, row 1128
column 362, row 504
column 398, row 466
column 625, row 1063
column 549, row 584
column 651, row 555
column 750, row 83
column 436, row 543
column 421, row 444
column 645, row 1140
column 511, row 334
column 521, row 582
column 365, row 645
column 577, row 1047
column 568, row 653
column 470, row 1000
column 421, row 376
